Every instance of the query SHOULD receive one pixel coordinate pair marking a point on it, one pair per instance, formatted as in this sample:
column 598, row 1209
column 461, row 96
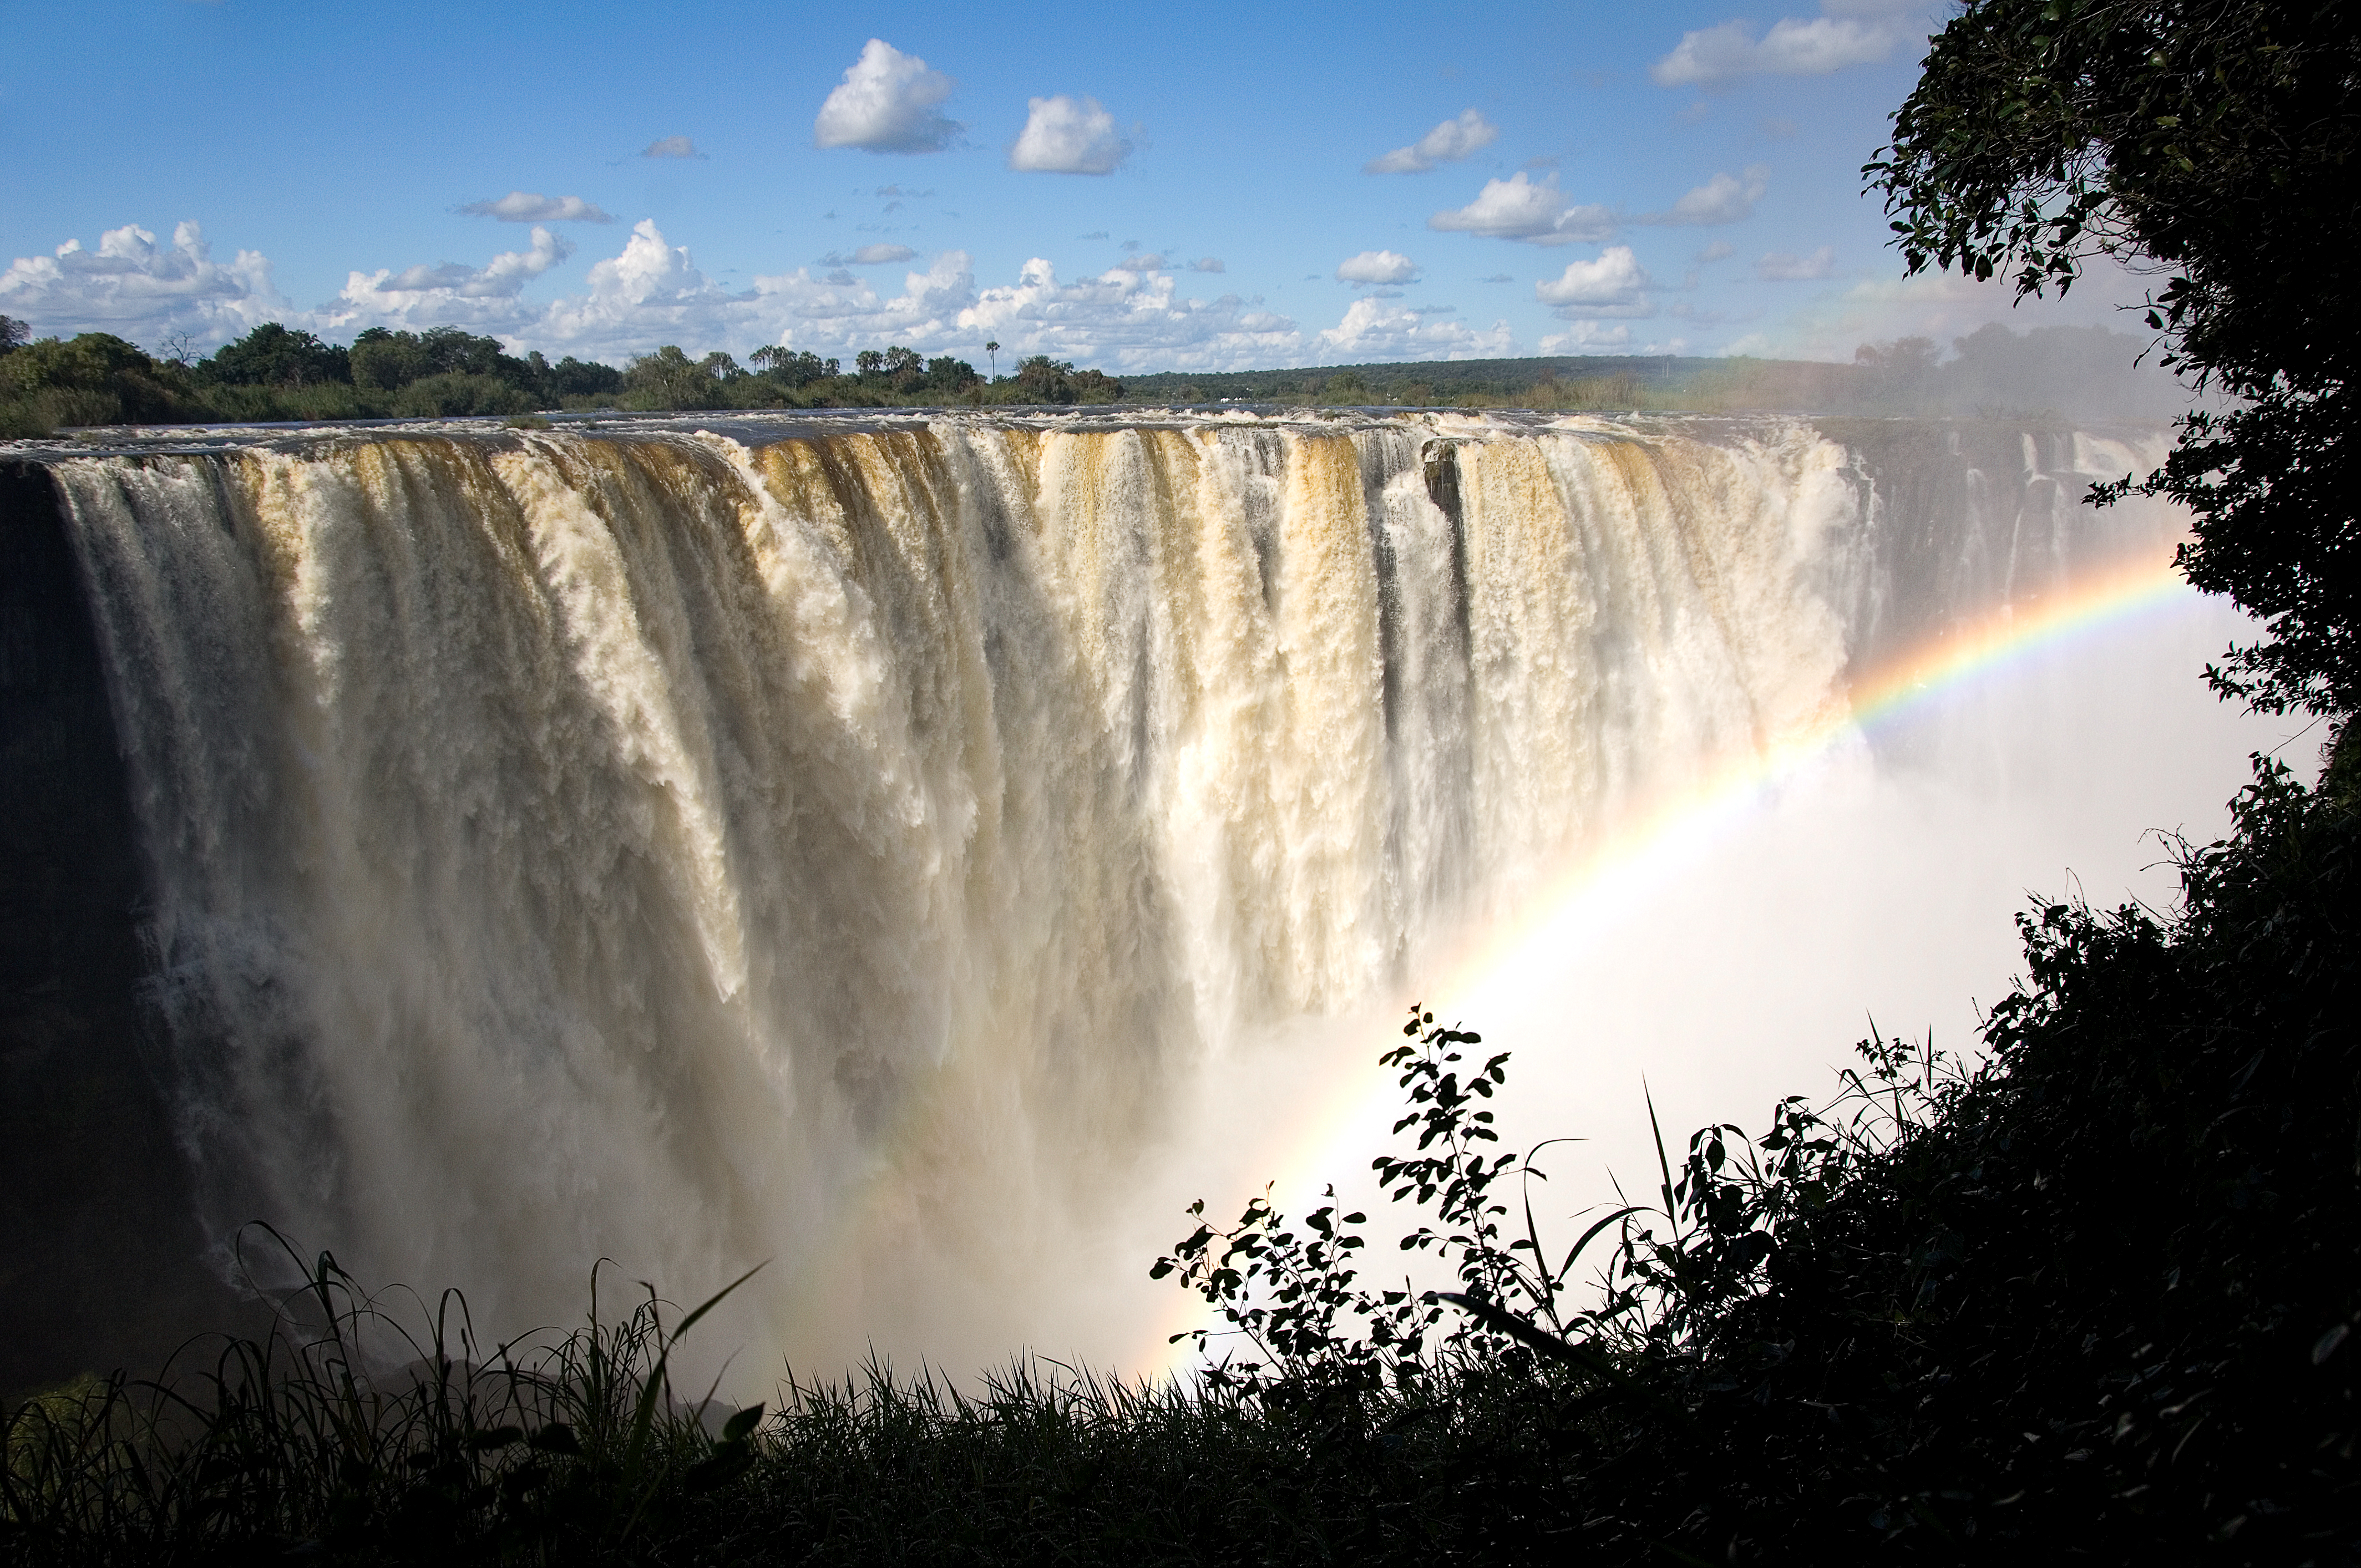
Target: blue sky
column 1139, row 188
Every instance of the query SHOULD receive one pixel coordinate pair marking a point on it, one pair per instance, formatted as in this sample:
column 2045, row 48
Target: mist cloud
column 1446, row 143
column 524, row 207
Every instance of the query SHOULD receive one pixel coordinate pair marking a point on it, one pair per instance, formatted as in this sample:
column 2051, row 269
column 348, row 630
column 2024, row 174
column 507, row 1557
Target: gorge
column 858, row 842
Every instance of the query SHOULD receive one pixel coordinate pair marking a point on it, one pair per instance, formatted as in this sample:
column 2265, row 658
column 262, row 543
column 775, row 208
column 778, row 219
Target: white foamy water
column 861, row 848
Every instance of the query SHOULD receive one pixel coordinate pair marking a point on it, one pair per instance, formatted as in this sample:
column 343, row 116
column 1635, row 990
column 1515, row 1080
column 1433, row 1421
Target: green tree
column 275, row 355
column 94, row 378
column 792, row 366
column 387, row 361
column 668, row 378
column 949, row 376
column 1041, row 379
column 2215, row 142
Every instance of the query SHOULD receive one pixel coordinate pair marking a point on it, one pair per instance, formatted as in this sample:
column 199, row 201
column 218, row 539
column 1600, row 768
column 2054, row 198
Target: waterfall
column 839, row 843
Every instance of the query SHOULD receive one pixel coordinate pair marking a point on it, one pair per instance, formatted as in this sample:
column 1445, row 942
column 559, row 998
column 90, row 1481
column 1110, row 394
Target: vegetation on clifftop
column 274, row 373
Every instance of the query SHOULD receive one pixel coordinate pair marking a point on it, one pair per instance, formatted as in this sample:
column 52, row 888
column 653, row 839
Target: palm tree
column 993, row 349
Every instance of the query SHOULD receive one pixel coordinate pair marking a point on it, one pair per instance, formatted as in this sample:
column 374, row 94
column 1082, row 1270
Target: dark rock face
column 100, row 1251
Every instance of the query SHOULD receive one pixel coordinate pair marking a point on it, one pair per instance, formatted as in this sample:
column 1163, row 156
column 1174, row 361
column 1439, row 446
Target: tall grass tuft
column 366, row 1425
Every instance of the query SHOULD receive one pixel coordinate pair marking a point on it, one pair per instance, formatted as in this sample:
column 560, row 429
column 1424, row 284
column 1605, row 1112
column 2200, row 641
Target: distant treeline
column 2086, row 372
column 278, row 373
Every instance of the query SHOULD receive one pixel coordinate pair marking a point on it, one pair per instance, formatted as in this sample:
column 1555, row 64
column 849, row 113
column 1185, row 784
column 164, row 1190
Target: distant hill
column 2082, row 372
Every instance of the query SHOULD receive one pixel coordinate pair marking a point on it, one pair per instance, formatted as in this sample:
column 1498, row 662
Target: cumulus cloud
column 1535, row 212
column 1613, row 285
column 886, row 104
column 1446, row 143
column 1724, row 199
column 1857, row 33
column 1372, row 329
column 137, row 288
column 451, row 295
column 1129, row 318
column 868, row 255
column 1778, row 266
column 524, row 207
column 1376, row 267
column 671, row 147
column 1068, row 136
column 1207, row 264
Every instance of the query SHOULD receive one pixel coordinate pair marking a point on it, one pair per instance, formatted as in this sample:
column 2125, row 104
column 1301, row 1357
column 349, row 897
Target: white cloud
column 1372, row 329
column 868, row 255
column 451, row 295
column 671, row 147
column 1376, row 267
column 137, row 288
column 1535, row 212
column 1446, row 143
column 886, row 104
column 1129, row 318
column 1854, row 34
column 1614, row 285
column 1778, row 266
column 1144, row 261
column 524, row 207
column 1720, row 200
column 1207, row 264
column 1718, row 250
column 1068, row 136
column 1587, row 337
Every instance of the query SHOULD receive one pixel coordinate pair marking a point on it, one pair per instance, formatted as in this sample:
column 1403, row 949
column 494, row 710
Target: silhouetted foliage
column 2089, row 1299
column 2213, row 139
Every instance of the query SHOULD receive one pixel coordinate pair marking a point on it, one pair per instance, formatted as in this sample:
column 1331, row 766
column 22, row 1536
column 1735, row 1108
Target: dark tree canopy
column 274, row 356
column 2212, row 142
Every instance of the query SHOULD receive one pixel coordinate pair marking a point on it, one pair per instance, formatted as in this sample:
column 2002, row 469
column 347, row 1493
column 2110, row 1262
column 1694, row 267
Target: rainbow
column 1332, row 1138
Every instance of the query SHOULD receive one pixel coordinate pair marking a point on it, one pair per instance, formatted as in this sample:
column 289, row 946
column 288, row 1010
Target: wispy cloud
column 1068, row 136
column 525, row 207
column 868, row 255
column 1778, row 266
column 1207, row 264
column 671, row 147
column 1724, row 199
column 1861, row 32
column 886, row 104
column 1446, row 143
